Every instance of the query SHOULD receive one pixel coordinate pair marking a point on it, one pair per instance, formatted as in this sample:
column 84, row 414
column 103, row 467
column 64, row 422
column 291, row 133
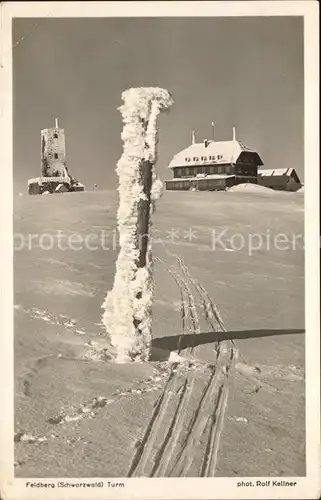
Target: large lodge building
column 213, row 165
column 217, row 165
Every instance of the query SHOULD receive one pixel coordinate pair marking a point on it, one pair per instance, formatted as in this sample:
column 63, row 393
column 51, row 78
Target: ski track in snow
column 172, row 457
column 171, row 446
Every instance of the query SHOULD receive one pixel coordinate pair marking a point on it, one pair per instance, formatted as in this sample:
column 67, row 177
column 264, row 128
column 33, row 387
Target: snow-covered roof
column 276, row 171
column 209, row 152
column 49, row 179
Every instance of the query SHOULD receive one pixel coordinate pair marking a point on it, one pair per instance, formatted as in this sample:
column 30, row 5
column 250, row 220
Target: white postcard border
column 168, row 488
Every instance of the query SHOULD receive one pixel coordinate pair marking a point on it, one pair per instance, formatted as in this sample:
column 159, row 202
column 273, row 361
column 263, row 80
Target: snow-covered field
column 78, row 414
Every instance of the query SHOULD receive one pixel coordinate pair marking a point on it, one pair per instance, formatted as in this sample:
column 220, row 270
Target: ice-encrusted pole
column 128, row 306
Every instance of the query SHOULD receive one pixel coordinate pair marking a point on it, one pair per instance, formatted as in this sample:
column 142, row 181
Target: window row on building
column 204, row 158
column 209, row 170
column 200, row 184
column 248, row 158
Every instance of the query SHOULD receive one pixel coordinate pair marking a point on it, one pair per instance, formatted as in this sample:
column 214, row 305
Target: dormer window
column 55, row 135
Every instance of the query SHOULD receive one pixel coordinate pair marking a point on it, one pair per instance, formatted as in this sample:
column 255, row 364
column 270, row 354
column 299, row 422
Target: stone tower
column 53, row 152
column 54, row 175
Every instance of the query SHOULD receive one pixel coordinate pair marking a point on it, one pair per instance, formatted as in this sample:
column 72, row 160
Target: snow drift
column 251, row 188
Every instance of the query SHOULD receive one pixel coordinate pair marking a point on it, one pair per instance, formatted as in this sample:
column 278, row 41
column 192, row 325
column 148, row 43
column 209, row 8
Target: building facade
column 54, row 175
column 213, row 165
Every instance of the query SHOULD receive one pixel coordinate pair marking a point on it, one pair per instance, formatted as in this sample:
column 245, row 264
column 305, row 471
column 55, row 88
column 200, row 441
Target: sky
column 244, row 72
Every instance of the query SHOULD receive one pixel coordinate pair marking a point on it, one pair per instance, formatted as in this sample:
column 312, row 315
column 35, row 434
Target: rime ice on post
column 128, row 306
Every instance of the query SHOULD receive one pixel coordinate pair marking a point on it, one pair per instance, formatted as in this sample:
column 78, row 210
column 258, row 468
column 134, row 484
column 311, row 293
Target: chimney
column 213, row 137
column 193, row 137
column 234, row 134
column 56, row 123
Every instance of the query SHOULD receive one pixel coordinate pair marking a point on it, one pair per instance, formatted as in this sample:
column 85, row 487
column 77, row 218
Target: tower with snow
column 54, row 175
column 53, row 152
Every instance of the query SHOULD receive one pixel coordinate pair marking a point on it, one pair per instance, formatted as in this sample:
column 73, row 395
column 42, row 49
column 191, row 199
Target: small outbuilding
column 285, row 179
